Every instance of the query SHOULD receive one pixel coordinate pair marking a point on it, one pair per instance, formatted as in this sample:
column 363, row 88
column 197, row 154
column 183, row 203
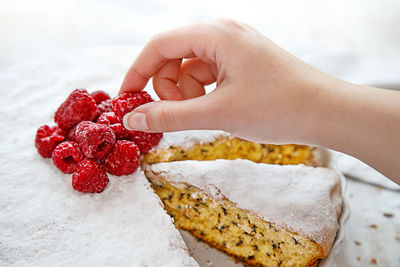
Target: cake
column 262, row 214
column 211, row 145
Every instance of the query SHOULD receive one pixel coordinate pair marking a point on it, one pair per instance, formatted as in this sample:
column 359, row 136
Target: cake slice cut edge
column 212, row 145
column 204, row 205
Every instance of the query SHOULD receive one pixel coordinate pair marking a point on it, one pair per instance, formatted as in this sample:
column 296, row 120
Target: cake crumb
column 357, row 243
column 388, row 215
column 374, row 226
column 373, row 261
column 358, row 258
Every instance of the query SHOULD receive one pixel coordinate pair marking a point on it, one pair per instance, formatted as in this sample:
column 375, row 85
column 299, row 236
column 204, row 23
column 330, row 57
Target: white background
column 31, row 30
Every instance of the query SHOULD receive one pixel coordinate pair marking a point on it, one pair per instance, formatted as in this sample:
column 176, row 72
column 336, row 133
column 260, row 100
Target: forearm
column 361, row 121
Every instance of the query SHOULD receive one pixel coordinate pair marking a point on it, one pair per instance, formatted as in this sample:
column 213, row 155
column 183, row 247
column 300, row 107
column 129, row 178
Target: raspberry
column 123, row 159
column 145, row 141
column 105, row 106
column 95, row 140
column 79, row 106
column 127, row 102
column 47, row 138
column 71, row 134
column 90, row 177
column 111, row 120
column 66, row 156
column 108, row 118
column 100, row 96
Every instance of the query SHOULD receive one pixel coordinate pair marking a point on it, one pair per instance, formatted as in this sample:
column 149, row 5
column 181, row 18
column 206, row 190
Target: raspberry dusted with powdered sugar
column 95, row 140
column 89, row 150
column 47, row 138
column 100, row 96
column 71, row 134
column 89, row 177
column 145, row 141
column 79, row 106
column 127, row 102
column 105, row 106
column 111, row 120
column 66, row 156
column 123, row 159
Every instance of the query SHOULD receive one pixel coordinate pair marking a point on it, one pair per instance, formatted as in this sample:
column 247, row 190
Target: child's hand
column 263, row 93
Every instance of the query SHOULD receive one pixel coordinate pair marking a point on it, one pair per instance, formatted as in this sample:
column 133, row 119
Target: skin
column 262, row 94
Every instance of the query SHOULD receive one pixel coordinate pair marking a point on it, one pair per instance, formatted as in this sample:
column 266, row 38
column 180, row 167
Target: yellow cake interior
column 236, row 148
column 237, row 232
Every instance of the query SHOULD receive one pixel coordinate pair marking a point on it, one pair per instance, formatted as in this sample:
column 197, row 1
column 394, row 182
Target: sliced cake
column 262, row 214
column 211, row 145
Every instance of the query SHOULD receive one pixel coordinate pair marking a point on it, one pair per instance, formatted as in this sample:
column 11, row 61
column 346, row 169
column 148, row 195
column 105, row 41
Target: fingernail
column 135, row 121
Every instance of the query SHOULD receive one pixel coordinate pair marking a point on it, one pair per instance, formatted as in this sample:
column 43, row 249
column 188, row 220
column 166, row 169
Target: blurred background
column 31, row 30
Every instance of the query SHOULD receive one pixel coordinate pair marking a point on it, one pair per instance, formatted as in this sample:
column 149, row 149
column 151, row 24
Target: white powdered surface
column 43, row 221
column 305, row 200
column 189, row 138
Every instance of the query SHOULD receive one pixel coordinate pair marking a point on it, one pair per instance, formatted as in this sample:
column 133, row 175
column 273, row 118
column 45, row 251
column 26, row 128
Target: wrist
column 326, row 106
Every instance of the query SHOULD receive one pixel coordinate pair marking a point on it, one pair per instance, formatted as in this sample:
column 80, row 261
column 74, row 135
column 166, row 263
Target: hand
column 262, row 92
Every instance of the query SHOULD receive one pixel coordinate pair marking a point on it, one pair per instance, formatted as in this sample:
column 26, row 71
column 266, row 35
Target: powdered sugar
column 43, row 221
column 189, row 138
column 302, row 199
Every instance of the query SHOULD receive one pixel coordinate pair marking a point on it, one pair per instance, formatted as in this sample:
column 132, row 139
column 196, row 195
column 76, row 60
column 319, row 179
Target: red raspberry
column 95, row 140
column 90, row 177
column 111, row 120
column 127, row 102
column 66, row 156
column 145, row 141
column 47, row 138
column 71, row 134
column 105, row 106
column 100, row 96
column 79, row 106
column 123, row 159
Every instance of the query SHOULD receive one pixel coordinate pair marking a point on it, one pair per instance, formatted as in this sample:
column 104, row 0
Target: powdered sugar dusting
column 189, row 138
column 43, row 221
column 302, row 199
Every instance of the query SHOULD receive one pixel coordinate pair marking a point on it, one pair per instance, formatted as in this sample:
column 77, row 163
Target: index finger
column 186, row 42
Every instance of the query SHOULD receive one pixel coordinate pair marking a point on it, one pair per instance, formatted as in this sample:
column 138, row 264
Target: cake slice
column 262, row 214
column 211, row 145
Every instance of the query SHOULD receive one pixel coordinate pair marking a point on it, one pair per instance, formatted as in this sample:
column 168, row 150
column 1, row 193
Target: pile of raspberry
column 90, row 140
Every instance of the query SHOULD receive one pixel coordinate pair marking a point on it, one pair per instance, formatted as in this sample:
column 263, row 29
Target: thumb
column 168, row 116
